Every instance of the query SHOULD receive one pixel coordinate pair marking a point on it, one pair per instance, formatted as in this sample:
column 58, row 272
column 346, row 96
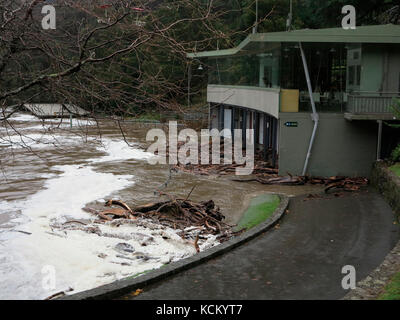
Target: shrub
column 395, row 156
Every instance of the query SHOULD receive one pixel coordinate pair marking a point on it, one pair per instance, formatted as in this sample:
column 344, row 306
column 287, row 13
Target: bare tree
column 111, row 58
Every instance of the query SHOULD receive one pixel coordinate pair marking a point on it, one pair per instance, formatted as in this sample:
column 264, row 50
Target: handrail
column 378, row 92
column 369, row 104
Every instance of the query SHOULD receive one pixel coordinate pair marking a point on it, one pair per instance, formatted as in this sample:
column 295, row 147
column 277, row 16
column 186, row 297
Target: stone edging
column 124, row 286
column 372, row 286
column 388, row 184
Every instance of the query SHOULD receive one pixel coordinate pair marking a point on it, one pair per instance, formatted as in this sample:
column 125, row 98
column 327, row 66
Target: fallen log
column 109, row 203
column 59, row 294
column 346, row 183
column 289, row 180
column 119, row 212
column 196, row 244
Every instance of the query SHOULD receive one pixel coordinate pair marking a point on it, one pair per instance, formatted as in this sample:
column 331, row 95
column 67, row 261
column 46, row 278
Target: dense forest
column 129, row 57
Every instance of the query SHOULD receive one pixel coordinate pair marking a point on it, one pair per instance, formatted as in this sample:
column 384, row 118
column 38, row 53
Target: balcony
column 370, row 106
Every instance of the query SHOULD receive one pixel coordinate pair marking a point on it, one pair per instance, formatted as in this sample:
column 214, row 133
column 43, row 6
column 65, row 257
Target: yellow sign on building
column 290, row 100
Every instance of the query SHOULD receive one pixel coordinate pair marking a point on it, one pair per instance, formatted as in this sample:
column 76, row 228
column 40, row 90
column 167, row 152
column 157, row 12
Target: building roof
column 365, row 34
column 48, row 110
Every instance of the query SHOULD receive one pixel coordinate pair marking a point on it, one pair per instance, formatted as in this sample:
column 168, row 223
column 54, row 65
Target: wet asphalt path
column 300, row 259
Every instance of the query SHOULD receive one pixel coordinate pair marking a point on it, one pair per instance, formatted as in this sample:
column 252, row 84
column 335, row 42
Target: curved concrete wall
column 259, row 99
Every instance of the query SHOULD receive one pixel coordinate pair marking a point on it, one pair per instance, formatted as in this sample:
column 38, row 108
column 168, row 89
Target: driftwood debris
column 344, row 183
column 59, row 294
column 264, row 173
column 347, row 184
column 274, row 179
column 179, row 214
column 260, row 165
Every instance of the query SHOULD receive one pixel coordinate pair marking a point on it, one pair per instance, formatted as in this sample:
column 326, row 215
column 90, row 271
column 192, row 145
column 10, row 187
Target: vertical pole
column 244, row 126
column 256, row 22
column 256, row 128
column 269, row 132
column 290, row 17
column 70, row 120
column 273, row 134
column 209, row 116
column 314, row 115
column 233, row 122
column 379, row 148
column 221, row 120
column 266, row 136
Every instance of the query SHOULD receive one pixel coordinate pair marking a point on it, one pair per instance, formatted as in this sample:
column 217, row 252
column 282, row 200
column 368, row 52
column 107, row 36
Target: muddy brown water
column 47, row 164
column 24, row 171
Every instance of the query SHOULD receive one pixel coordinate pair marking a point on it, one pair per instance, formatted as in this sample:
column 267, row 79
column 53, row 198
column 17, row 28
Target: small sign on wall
column 292, row 124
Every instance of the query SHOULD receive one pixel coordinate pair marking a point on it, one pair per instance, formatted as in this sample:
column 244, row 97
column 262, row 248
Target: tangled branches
column 182, row 214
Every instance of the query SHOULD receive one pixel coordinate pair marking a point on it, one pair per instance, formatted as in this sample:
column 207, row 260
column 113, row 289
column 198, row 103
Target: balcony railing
column 371, row 102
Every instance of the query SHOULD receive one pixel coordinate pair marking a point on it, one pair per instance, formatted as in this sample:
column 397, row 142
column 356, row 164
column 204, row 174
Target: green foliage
column 327, row 13
column 395, row 156
column 396, row 169
column 156, row 75
column 396, row 111
column 392, row 290
column 261, row 208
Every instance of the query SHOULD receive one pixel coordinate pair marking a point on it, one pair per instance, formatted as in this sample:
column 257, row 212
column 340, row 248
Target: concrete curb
column 124, row 286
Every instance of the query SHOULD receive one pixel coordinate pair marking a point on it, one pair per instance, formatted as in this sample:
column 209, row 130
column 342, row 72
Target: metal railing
column 373, row 102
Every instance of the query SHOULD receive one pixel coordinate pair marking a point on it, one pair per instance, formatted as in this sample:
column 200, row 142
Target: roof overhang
column 380, row 34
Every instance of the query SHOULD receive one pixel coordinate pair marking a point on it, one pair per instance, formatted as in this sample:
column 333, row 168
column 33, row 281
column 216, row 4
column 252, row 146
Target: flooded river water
column 50, row 171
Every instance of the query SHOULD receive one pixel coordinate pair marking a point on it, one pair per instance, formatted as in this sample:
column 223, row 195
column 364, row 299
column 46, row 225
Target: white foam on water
column 75, row 254
column 39, row 141
column 45, row 125
column 119, row 150
column 116, row 150
column 23, row 117
column 81, row 260
column 72, row 189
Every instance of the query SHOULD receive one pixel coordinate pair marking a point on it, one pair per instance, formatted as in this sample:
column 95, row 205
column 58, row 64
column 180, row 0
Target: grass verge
column 392, row 290
column 260, row 209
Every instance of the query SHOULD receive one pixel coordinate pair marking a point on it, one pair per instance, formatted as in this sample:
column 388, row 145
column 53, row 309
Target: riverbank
column 52, row 171
column 130, row 284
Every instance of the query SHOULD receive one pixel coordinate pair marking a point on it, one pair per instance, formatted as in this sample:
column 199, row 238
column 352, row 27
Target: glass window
column 256, row 69
column 351, row 75
column 358, row 75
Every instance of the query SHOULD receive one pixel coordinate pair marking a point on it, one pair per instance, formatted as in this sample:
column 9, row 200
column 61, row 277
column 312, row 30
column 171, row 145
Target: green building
column 332, row 124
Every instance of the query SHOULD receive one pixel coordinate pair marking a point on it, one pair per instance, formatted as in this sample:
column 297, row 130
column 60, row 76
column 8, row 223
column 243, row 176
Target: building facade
column 318, row 100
